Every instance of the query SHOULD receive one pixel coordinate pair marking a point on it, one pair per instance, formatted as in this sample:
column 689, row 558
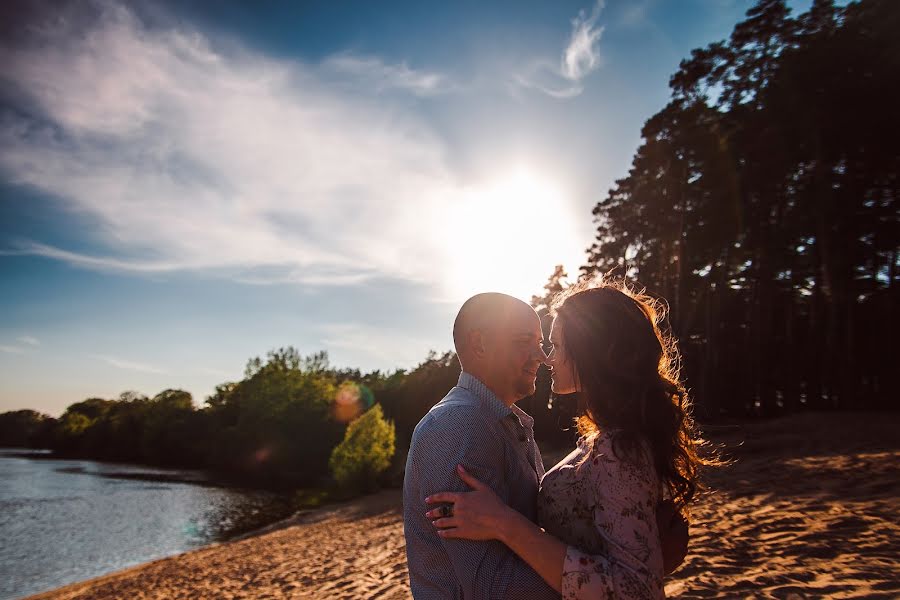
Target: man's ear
column 476, row 343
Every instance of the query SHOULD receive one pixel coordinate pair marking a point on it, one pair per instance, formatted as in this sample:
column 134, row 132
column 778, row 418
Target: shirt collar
column 491, row 402
column 525, row 419
column 484, row 395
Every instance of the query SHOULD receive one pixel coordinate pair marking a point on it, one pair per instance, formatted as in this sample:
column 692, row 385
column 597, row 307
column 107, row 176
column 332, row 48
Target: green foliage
column 25, row 429
column 92, row 408
column 167, row 431
column 275, row 427
column 366, row 451
column 762, row 206
column 407, row 396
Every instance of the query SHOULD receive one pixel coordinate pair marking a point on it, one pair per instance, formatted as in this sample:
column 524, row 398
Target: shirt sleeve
column 625, row 517
column 483, row 570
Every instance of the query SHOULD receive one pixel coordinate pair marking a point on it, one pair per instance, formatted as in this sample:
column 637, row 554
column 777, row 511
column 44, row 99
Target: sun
column 512, row 232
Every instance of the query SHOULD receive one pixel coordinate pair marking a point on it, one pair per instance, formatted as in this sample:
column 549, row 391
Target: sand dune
column 810, row 509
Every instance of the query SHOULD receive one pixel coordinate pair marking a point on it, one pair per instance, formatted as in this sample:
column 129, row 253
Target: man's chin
column 527, row 390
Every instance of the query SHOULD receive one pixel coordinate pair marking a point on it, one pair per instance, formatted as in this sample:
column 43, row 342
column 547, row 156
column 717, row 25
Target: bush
column 366, row 451
column 25, row 429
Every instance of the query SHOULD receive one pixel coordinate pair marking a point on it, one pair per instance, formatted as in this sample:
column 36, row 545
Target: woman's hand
column 476, row 515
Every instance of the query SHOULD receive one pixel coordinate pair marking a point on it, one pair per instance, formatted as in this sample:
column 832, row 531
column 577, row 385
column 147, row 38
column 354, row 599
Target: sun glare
column 514, row 231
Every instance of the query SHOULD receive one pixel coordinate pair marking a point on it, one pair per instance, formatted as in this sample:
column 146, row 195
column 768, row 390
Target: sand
column 804, row 512
column 810, row 509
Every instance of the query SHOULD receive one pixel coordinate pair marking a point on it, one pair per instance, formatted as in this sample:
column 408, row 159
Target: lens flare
column 351, row 400
column 262, row 455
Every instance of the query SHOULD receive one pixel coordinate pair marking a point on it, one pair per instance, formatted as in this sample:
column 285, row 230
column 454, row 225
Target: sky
column 184, row 186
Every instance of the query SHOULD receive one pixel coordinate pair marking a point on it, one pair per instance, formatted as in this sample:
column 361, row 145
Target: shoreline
column 146, row 472
column 810, row 508
column 220, row 569
column 379, row 509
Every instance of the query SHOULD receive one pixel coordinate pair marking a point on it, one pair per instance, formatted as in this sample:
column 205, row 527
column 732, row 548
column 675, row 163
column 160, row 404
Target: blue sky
column 186, row 185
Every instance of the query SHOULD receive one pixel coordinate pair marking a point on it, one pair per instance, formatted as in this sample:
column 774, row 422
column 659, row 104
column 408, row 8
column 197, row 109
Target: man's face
column 514, row 355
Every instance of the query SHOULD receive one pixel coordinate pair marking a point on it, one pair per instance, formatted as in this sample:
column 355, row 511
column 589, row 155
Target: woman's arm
column 623, row 573
column 481, row 515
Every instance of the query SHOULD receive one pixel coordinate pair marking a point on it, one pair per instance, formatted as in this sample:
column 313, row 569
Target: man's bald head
column 484, row 311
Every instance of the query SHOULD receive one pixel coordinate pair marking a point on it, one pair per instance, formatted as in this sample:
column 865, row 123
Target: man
column 498, row 342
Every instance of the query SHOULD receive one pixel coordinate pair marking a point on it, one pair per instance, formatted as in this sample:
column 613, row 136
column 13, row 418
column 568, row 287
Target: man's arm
column 482, row 569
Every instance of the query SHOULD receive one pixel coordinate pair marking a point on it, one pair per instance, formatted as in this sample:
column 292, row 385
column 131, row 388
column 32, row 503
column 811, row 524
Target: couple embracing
column 483, row 519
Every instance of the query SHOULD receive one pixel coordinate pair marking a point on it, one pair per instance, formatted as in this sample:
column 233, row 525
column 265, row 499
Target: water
column 63, row 521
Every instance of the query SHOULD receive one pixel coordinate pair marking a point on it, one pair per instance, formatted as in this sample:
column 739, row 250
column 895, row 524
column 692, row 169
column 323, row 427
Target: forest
column 761, row 205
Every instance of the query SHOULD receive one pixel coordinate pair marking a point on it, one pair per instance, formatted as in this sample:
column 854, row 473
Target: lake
column 63, row 521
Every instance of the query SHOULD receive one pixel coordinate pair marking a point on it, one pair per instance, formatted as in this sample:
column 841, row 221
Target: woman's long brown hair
column 628, row 371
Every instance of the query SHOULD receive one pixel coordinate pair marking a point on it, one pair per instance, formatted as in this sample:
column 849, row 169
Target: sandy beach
column 809, row 509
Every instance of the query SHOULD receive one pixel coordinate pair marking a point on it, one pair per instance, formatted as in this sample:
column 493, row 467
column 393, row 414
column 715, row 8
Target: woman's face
column 564, row 380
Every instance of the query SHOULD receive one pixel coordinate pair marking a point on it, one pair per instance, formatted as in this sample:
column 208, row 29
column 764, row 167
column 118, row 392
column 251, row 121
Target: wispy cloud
column 25, row 344
column 129, row 365
column 580, row 57
column 375, row 342
column 372, row 73
column 192, row 155
column 106, row 263
column 12, row 349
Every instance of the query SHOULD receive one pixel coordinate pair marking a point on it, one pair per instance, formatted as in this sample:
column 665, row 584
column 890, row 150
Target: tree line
column 761, row 204
column 283, row 426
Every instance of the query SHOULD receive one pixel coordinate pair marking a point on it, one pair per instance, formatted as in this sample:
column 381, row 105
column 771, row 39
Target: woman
column 598, row 534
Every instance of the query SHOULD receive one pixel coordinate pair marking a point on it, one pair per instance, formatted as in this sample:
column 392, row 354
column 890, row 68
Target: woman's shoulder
column 620, row 472
column 616, row 449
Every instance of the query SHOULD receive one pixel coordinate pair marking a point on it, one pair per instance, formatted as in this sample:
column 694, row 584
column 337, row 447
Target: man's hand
column 673, row 535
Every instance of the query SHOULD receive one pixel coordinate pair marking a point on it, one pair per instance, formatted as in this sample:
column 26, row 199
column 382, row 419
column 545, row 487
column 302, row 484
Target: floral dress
column 605, row 509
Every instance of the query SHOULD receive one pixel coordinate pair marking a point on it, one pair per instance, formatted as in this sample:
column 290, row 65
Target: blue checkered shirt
column 495, row 443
